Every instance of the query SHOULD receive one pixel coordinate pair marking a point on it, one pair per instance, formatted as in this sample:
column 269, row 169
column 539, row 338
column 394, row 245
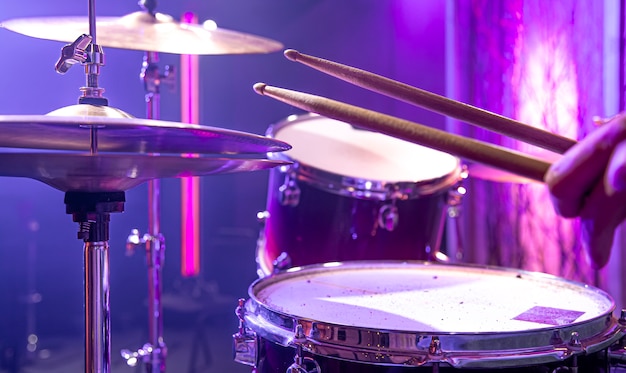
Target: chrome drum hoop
column 355, row 187
column 417, row 348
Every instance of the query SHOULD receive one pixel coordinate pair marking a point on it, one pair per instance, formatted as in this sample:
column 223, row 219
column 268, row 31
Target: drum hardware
column 300, row 362
column 388, row 216
column 289, row 193
column 93, row 186
column 95, row 183
column 92, row 212
column 454, row 249
column 86, row 51
column 73, row 53
column 154, row 352
column 245, row 340
column 153, row 355
column 435, row 353
column 147, row 31
column 617, row 352
column 282, row 262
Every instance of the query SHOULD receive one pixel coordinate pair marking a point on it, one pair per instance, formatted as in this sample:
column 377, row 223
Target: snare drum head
column 480, row 316
column 432, row 298
column 339, row 148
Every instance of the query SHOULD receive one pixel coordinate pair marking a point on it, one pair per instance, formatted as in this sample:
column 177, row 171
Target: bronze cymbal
column 128, row 135
column 117, row 172
column 145, row 32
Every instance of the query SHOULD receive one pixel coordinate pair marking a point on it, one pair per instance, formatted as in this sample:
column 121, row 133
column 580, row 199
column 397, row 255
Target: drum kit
column 351, row 272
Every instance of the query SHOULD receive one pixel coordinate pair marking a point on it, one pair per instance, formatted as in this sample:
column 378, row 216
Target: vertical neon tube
column 190, row 186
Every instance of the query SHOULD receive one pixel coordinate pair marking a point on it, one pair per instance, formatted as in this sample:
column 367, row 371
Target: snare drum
column 352, row 195
column 423, row 316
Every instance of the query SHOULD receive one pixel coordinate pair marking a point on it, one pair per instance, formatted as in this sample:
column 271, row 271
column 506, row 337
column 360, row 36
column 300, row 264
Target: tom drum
column 352, row 195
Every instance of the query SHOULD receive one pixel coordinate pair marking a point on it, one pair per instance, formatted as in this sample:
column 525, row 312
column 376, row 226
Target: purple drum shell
column 325, row 227
column 344, row 177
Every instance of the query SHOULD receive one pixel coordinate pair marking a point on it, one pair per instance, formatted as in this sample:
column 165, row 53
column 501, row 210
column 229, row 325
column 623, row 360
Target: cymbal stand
column 92, row 210
column 153, row 354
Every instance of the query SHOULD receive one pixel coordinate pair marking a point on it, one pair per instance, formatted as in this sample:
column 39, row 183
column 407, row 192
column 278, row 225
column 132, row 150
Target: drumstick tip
column 292, row 54
column 260, row 88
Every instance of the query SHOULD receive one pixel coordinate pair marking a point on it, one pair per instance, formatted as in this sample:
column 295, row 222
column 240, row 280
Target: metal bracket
column 74, row 53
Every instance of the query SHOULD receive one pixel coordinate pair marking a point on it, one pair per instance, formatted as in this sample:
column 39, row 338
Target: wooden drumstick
column 436, row 103
column 491, row 155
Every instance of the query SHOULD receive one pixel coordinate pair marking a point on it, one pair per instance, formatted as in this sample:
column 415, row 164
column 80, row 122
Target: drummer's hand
column 589, row 181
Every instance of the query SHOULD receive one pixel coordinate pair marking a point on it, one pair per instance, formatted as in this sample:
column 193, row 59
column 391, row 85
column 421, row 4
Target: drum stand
column 153, row 354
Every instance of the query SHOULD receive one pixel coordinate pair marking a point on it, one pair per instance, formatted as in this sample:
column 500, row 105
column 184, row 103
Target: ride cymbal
column 145, row 32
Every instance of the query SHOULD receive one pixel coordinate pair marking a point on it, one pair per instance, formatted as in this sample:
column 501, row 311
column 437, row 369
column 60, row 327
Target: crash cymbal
column 145, row 32
column 129, row 135
column 117, row 172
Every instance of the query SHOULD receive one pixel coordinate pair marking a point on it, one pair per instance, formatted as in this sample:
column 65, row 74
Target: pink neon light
column 190, row 186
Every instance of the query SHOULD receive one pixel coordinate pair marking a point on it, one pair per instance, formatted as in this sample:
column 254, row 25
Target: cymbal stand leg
column 92, row 212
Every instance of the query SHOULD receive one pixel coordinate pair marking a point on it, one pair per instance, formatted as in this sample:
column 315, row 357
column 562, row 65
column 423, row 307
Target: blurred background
column 550, row 64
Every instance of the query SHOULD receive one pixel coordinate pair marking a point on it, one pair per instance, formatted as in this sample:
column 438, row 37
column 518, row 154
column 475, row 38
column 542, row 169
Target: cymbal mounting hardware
column 73, row 53
column 152, row 78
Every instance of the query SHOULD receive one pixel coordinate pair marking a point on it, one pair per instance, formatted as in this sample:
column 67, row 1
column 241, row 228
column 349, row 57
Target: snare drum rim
column 356, row 187
column 488, row 349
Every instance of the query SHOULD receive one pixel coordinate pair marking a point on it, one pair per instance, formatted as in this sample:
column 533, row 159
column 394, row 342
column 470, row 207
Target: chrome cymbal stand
column 92, row 210
column 153, row 353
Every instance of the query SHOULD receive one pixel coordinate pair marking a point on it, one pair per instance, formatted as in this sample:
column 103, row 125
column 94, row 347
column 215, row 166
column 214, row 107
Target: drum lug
column 282, row 262
column 388, row 217
column 289, row 192
column 622, row 317
column 434, row 349
column 574, row 341
column 245, row 345
column 455, row 197
column 302, row 364
column 574, row 344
